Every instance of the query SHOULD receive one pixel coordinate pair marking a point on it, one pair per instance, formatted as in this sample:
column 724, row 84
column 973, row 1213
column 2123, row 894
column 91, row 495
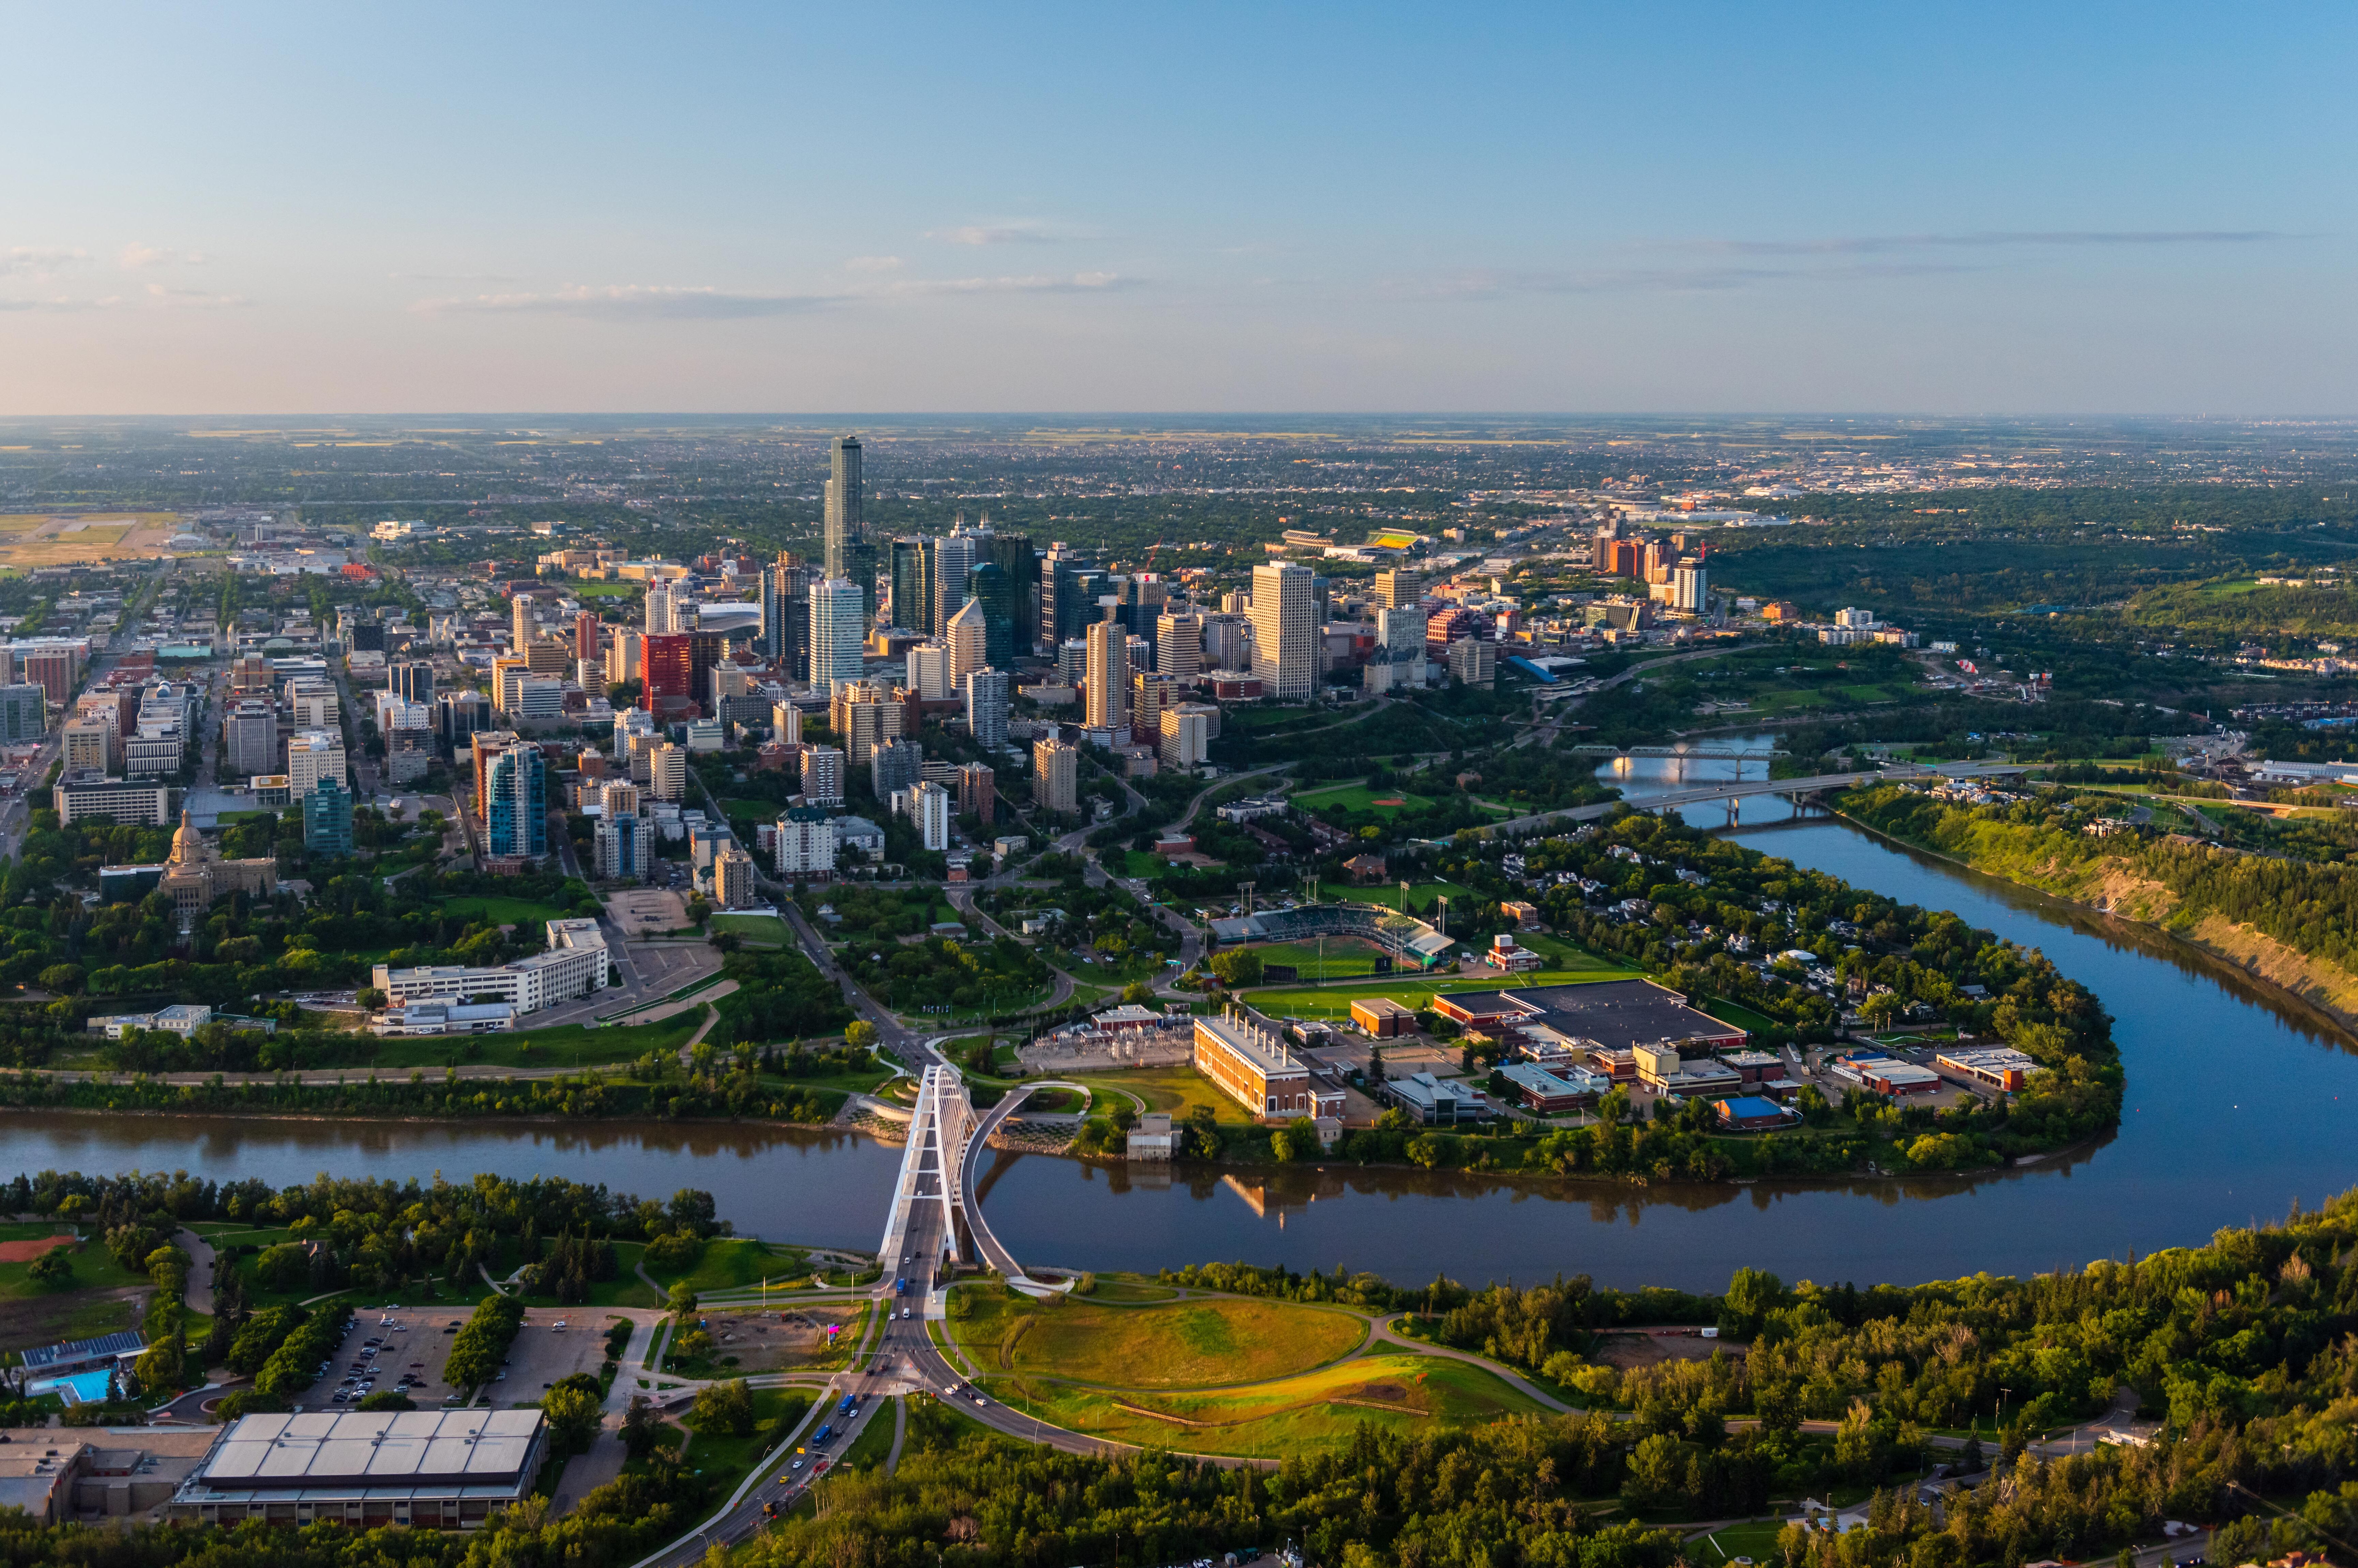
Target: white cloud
column 634, row 302
column 62, row 303
column 1075, row 283
column 35, row 260
column 1870, row 244
column 195, row 298
column 874, row 264
column 1496, row 283
column 1021, row 232
column 136, row 254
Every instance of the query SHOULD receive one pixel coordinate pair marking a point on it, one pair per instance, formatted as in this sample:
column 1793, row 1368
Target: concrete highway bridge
column 1732, row 791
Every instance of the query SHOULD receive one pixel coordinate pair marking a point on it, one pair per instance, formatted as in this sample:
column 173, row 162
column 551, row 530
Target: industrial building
column 1381, row 1018
column 1546, row 1091
column 426, row 1470
column 1436, row 1102
column 1252, row 1066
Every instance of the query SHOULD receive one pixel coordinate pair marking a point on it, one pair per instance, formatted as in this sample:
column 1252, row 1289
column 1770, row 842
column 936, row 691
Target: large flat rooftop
column 1618, row 1014
column 361, row 1448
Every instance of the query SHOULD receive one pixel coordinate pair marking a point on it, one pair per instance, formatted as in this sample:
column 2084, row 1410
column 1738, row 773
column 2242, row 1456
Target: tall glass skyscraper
column 912, row 587
column 994, row 589
column 838, row 631
column 516, row 803
column 785, row 615
column 849, row 556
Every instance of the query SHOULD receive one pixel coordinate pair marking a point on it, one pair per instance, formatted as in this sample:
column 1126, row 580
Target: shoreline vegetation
column 2276, row 920
column 1389, row 1418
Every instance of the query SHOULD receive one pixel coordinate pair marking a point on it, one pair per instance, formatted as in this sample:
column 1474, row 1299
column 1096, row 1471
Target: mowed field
column 1190, row 1344
column 1320, row 1409
column 43, row 538
column 1339, row 958
column 1383, row 803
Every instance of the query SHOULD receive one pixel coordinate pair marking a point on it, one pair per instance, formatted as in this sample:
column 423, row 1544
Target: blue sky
column 270, row 209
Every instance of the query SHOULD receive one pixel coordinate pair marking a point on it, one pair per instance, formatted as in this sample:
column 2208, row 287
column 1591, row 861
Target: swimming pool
column 85, row 1388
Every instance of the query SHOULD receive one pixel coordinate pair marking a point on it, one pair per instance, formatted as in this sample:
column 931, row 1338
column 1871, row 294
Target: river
column 2239, row 1104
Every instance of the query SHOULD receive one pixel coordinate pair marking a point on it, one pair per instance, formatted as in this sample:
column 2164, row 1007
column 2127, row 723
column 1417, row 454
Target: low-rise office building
column 1381, row 1018
column 183, row 1019
column 143, row 802
column 445, row 1018
column 1436, row 1102
column 575, row 965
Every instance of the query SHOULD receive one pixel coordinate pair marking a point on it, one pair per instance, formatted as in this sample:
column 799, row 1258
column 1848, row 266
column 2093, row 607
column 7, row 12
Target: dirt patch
column 25, row 1251
column 2121, row 893
column 1628, row 1350
column 2319, row 983
column 71, row 1315
column 773, row 1341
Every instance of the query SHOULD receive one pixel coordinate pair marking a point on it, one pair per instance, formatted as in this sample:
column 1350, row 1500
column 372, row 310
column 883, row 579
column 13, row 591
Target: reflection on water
column 820, row 1185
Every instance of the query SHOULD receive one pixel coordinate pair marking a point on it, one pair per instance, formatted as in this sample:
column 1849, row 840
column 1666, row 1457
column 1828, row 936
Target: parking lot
column 545, row 1354
column 408, row 1345
column 412, row 1343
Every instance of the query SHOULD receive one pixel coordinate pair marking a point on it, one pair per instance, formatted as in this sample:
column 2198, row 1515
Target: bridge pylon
column 932, row 1158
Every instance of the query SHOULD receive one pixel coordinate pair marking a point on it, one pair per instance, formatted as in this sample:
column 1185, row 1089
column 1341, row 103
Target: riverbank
column 2120, row 884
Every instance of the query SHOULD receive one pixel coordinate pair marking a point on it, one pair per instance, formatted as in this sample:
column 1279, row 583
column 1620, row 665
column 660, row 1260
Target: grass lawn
column 571, row 1046
column 1340, row 958
column 1355, row 797
column 604, row 590
column 873, row 1444
column 1424, row 898
column 1736, row 1013
column 1178, row 1090
column 1563, row 955
column 504, row 911
column 760, row 930
column 1318, row 1411
column 1108, row 1288
column 727, row 1459
column 1143, row 863
column 1183, row 1344
column 1755, row 1539
column 728, row 1263
column 1335, row 1001
column 34, row 1313
column 751, row 810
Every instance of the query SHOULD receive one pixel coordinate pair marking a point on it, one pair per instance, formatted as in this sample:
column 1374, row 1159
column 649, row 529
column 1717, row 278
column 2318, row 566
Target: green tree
column 642, row 1428
column 574, row 1409
column 681, row 1300
column 860, row 1035
column 725, row 1408
column 53, row 1270
column 1238, row 967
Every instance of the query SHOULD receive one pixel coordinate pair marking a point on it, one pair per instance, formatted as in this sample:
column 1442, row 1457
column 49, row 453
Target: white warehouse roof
column 373, row 1447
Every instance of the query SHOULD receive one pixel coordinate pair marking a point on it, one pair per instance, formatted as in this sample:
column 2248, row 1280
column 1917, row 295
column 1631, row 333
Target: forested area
column 2242, row 1350
column 2310, row 905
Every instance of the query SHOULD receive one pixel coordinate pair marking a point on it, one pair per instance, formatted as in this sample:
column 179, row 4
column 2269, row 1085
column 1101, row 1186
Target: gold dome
column 188, row 844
